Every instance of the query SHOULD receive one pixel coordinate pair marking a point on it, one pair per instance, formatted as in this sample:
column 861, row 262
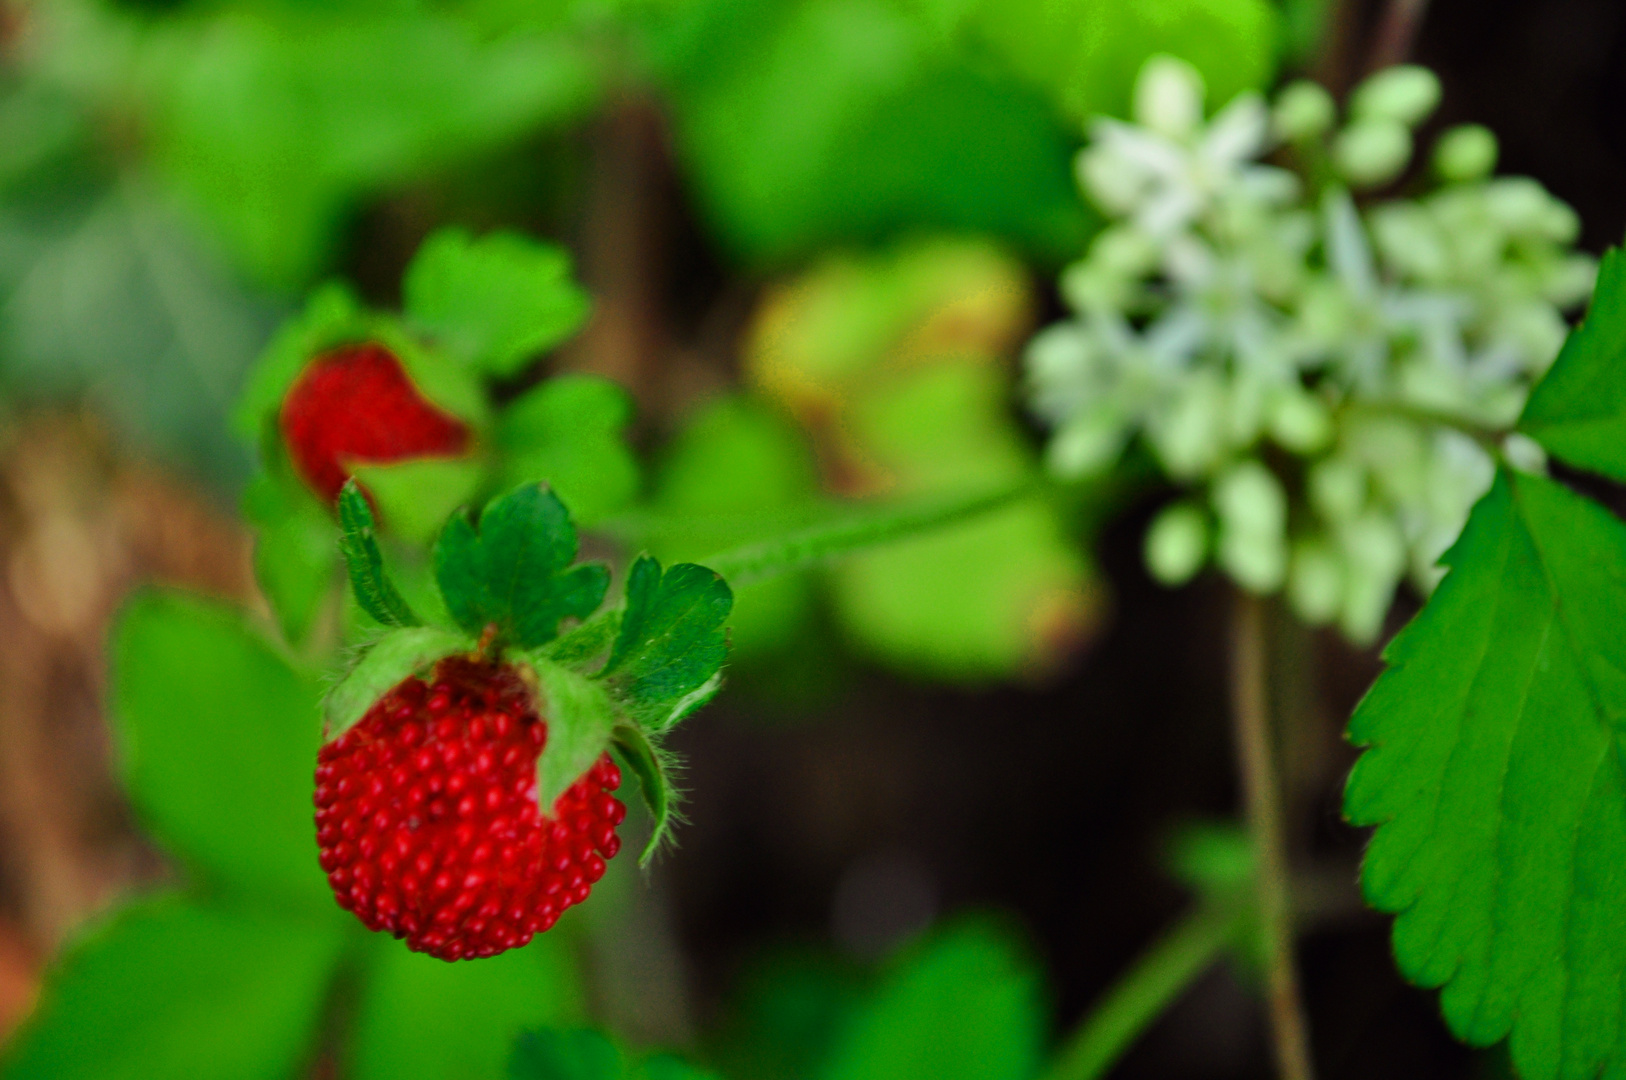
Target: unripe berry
column 355, row 404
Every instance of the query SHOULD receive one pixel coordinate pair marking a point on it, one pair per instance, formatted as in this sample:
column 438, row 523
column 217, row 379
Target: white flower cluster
column 1263, row 333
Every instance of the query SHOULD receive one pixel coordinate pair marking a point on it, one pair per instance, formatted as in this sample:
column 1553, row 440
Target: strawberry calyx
column 532, row 651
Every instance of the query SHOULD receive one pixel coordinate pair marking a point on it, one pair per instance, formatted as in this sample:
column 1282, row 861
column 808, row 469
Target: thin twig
column 1397, row 33
column 1250, row 708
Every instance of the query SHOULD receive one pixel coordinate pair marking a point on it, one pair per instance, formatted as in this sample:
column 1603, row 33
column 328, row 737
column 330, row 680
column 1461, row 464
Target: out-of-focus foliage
column 229, row 978
column 894, row 365
column 919, row 113
column 1235, row 309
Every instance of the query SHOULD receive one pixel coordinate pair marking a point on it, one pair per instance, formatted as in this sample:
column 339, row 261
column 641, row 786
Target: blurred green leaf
column 416, row 497
column 739, row 472
column 1493, row 771
column 514, row 570
column 499, row 301
column 1578, row 411
column 103, row 293
column 787, row 1012
column 276, row 122
column 171, row 988
column 424, row 1019
column 565, row 1055
column 1004, row 594
column 965, row 1004
column 888, row 130
column 294, row 544
column 568, row 431
column 671, row 645
column 217, row 736
column 669, row 1067
column 1086, row 53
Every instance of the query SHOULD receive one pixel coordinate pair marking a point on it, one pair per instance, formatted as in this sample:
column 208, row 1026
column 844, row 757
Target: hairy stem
column 853, row 533
column 1396, row 33
column 1250, row 712
column 1158, row 978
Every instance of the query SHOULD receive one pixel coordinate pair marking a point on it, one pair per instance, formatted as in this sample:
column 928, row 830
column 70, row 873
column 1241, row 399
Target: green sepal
column 496, row 301
column 513, row 570
column 585, row 648
column 369, row 579
column 580, row 716
column 415, row 497
column 640, row 755
column 670, row 649
column 387, row 663
column 293, row 550
column 334, row 317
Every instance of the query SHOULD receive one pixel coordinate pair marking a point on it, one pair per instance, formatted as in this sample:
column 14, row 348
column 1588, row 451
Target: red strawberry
column 357, row 404
column 428, row 822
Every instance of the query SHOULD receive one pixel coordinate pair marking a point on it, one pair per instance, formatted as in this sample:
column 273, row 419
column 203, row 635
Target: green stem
column 1262, row 798
column 853, row 533
column 1158, row 978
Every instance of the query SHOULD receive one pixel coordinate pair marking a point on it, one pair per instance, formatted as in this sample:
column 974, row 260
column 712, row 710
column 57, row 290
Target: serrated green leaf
column 671, row 645
column 293, row 550
column 965, row 1004
column 639, row 755
column 568, row 432
column 217, row 737
column 497, row 301
column 416, row 497
column 168, row 987
column 1578, row 411
column 512, row 571
column 368, row 578
column 419, row 1018
column 580, row 717
column 1493, row 771
column 385, row 664
column 564, row 1055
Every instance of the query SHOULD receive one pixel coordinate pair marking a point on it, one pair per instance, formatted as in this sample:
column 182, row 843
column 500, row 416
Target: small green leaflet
column 672, row 644
column 1578, row 412
column 497, row 301
column 371, row 582
column 1494, row 773
column 514, row 571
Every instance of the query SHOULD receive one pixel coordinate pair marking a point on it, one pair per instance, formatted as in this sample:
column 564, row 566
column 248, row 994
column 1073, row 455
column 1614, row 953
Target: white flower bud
column 1252, row 510
column 1115, row 186
column 1372, row 152
column 1303, row 111
column 1338, row 489
column 1315, row 585
column 1404, row 94
column 1169, row 97
column 1525, row 454
column 1126, row 250
column 1177, row 543
column 1375, row 558
column 1188, row 434
column 1466, row 152
column 1299, row 422
column 1257, row 562
column 1570, row 281
column 1088, row 444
